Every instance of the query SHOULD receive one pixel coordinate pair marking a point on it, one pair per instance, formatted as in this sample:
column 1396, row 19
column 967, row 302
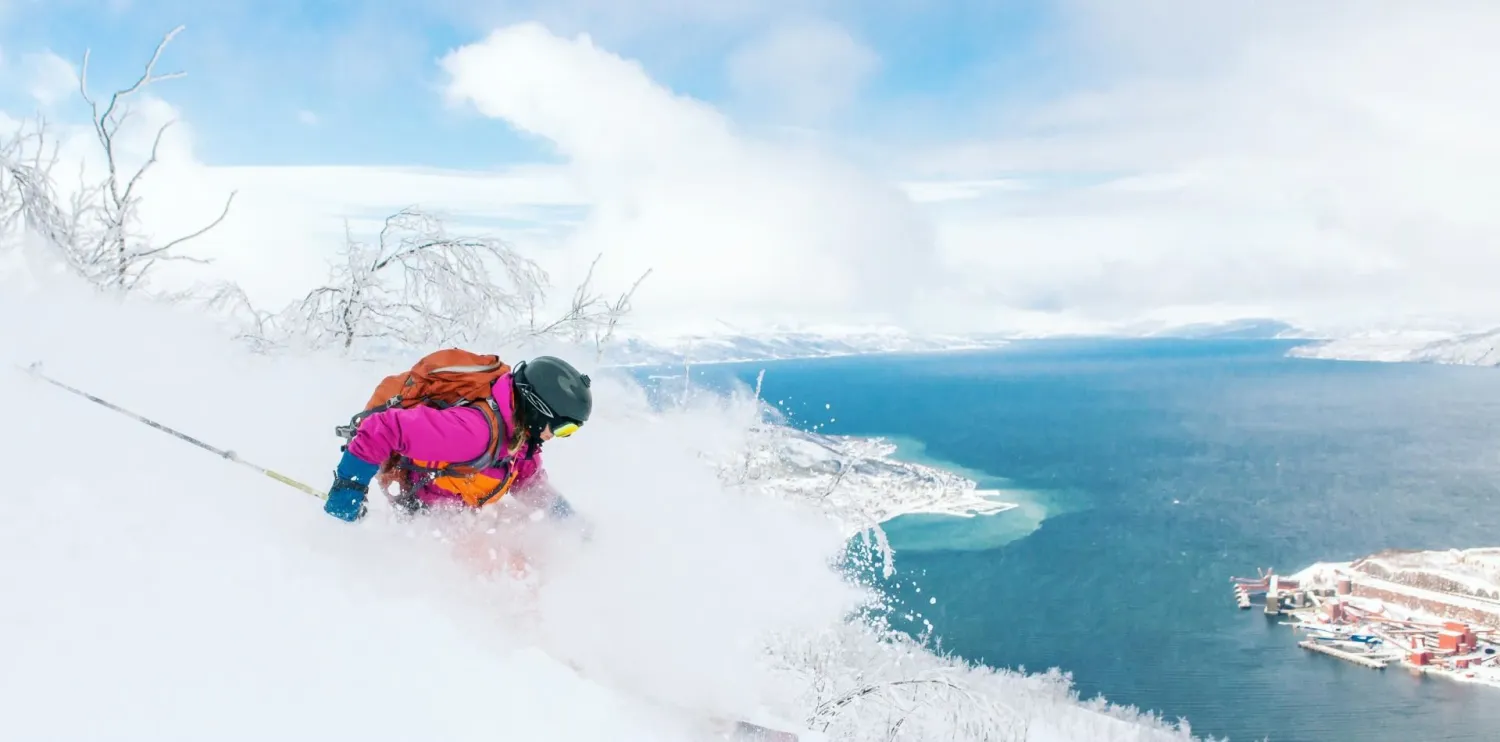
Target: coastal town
column 1432, row 612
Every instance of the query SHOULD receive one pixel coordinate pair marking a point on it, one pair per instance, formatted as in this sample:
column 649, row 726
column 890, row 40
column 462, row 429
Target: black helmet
column 554, row 390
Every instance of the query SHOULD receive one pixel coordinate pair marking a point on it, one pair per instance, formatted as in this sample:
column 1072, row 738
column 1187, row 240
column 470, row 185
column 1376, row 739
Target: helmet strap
column 532, row 420
column 533, row 439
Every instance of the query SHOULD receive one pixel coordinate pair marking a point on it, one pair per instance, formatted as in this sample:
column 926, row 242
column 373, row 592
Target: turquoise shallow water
column 932, row 532
column 1151, row 471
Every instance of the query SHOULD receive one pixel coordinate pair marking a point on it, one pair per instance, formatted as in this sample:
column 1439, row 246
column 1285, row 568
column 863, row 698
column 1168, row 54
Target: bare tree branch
column 105, row 245
column 417, row 285
column 589, row 317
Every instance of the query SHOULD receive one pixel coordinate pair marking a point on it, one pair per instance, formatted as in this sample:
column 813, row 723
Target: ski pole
column 33, row 369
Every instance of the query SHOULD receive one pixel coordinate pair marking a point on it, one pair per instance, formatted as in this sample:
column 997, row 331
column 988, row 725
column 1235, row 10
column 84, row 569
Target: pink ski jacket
column 432, row 437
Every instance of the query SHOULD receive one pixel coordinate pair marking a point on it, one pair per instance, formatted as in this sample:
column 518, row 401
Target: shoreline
column 978, row 503
column 862, row 482
column 1412, row 610
column 974, row 502
column 917, row 487
column 955, row 523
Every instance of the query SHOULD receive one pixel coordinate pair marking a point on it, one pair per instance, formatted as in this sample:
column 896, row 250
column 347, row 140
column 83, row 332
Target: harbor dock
column 1366, row 660
column 1377, row 632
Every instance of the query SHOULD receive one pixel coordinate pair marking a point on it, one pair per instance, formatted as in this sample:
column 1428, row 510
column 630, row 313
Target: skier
column 497, row 439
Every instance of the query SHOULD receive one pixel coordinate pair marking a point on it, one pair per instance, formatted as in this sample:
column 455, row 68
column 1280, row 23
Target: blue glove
column 346, row 498
column 561, row 510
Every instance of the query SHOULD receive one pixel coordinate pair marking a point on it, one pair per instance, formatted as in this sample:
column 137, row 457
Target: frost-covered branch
column 96, row 231
column 612, row 313
column 256, row 327
column 589, row 318
column 27, row 198
column 863, row 680
column 418, row 285
column 115, row 255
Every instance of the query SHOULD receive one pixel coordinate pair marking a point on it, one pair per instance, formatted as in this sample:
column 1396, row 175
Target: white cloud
column 49, row 78
column 1335, row 163
column 735, row 229
column 307, row 118
column 804, row 71
column 957, row 190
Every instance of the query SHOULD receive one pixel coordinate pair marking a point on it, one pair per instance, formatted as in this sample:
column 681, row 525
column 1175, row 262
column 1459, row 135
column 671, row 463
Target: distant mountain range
column 729, row 347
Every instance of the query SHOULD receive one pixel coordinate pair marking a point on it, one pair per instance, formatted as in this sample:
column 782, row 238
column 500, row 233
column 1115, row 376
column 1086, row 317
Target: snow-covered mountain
column 1242, row 329
column 730, row 347
column 1469, row 349
column 187, row 596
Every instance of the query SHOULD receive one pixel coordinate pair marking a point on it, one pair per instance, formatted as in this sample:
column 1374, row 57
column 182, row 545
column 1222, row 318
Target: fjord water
column 1152, row 471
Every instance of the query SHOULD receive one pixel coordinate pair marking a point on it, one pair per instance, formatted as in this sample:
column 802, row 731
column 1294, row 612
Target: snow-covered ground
column 1458, row 574
column 1470, row 349
column 1417, row 582
column 184, row 596
column 1470, row 571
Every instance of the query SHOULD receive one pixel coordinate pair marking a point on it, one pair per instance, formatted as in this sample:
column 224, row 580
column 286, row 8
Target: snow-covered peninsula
column 1466, row 349
column 856, row 481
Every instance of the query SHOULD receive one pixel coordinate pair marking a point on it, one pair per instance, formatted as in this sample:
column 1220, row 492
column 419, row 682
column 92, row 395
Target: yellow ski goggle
column 564, row 429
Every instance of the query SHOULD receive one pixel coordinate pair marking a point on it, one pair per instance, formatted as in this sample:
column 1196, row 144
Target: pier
column 1377, row 663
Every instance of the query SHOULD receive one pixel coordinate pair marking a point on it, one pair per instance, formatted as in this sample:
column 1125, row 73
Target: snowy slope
column 186, row 597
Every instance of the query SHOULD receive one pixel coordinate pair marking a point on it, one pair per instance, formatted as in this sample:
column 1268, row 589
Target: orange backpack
column 444, row 378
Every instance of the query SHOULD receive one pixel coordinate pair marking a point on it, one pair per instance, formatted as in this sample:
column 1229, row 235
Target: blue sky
column 368, row 73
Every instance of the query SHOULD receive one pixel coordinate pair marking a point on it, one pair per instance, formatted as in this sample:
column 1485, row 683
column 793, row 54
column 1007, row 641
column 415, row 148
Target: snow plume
column 188, row 557
column 683, row 570
column 185, row 596
column 734, row 228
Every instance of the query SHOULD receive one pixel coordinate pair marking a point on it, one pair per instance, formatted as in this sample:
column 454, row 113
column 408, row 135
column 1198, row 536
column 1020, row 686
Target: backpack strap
column 503, row 487
column 348, row 430
column 491, row 411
